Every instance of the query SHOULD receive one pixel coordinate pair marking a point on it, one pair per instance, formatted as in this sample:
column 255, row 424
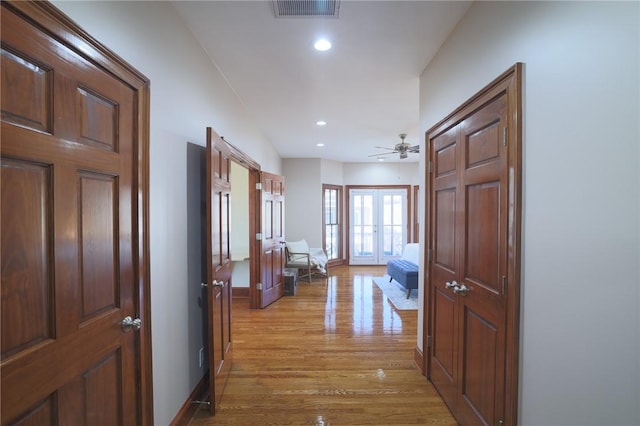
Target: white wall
column 239, row 212
column 331, row 172
column 187, row 94
column 303, row 200
column 381, row 173
column 303, row 182
column 580, row 336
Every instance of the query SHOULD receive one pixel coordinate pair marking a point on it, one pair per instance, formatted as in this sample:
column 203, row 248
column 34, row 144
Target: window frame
column 339, row 259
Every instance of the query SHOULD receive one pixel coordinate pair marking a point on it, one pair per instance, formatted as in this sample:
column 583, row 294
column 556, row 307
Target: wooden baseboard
column 418, row 358
column 336, row 262
column 188, row 409
column 240, row 292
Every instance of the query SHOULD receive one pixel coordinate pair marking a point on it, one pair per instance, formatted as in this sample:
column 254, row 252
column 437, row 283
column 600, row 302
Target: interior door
column 471, row 233
column 271, row 287
column 377, row 225
column 218, row 286
column 71, row 306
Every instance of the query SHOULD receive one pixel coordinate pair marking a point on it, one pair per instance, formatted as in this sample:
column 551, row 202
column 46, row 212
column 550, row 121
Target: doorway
column 240, row 243
column 378, row 224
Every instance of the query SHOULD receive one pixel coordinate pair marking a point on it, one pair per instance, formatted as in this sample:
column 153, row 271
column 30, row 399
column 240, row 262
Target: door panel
column 479, row 378
column 470, row 233
column 219, row 285
column 69, row 183
column 444, row 355
column 272, row 244
column 483, row 244
column 26, row 287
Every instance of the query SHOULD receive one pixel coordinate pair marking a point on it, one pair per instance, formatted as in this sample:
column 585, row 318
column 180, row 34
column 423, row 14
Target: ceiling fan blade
column 382, row 154
column 415, row 148
column 384, row 147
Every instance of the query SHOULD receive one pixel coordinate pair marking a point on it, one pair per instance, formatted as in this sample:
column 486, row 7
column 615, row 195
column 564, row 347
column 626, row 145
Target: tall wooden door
column 75, row 346
column 271, row 287
column 473, row 285
column 218, row 287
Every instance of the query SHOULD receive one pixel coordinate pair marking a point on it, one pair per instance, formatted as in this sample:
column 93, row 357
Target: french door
column 377, row 225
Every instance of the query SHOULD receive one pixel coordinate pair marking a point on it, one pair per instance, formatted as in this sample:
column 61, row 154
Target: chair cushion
column 297, row 247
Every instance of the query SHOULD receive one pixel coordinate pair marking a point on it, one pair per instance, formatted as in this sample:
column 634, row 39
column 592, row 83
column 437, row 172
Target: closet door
column 471, row 236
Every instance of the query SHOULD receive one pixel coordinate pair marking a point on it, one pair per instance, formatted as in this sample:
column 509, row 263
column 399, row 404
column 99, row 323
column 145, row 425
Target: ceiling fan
column 402, row 148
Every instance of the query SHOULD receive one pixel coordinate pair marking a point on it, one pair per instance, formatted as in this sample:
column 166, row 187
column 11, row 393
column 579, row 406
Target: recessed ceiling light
column 321, row 123
column 319, row 144
column 322, row 45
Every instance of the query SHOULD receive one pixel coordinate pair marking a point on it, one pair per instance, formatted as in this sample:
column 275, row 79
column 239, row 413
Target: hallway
column 336, row 353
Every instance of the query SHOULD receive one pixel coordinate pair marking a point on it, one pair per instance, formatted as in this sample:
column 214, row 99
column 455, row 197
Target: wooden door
column 473, row 214
column 218, row 288
column 271, row 287
column 74, row 178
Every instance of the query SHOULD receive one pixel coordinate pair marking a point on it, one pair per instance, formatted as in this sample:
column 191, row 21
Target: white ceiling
column 366, row 87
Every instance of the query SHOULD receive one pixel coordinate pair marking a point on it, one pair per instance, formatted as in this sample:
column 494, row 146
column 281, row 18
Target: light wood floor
column 336, row 353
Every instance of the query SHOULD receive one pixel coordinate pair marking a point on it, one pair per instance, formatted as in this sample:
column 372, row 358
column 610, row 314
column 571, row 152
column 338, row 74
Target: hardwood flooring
column 336, row 353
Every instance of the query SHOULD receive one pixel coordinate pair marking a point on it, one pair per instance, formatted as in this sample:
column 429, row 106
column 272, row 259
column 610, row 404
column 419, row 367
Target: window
column 332, row 221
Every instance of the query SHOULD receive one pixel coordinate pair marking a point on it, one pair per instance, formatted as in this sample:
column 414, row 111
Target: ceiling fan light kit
column 402, row 148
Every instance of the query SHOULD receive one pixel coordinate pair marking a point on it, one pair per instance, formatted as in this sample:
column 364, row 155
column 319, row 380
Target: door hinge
column 259, row 286
column 259, row 186
column 504, row 284
column 428, row 341
column 259, row 236
column 504, row 136
column 430, row 166
column 430, row 255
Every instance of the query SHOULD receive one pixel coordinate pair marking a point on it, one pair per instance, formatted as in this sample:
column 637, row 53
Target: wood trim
column 240, row 292
column 514, row 134
column 144, row 272
column 336, row 262
column 49, row 19
column 253, row 167
column 340, row 189
column 418, row 359
column 509, row 83
column 240, row 156
column 427, row 289
column 416, row 212
column 188, row 409
column 255, row 246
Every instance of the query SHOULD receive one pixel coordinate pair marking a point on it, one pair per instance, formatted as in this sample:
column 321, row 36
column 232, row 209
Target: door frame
column 51, row 20
column 255, row 220
column 514, row 238
column 347, row 197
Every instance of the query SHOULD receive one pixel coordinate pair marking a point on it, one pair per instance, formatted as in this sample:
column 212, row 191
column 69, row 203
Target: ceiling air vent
column 306, row 8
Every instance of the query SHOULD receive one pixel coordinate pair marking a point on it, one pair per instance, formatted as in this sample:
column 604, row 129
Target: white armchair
column 299, row 256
